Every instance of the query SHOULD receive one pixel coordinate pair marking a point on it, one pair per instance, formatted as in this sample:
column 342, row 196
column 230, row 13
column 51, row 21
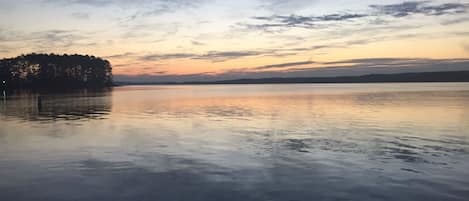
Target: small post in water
column 4, row 86
column 39, row 102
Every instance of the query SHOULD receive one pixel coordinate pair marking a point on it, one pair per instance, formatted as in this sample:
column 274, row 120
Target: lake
column 285, row 142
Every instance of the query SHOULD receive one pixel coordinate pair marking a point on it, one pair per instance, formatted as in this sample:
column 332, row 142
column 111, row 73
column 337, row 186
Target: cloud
column 466, row 46
column 197, row 43
column 145, row 7
column 352, row 67
column 386, row 65
column 460, row 33
column 47, row 40
column 348, row 43
column 282, row 65
column 160, row 72
column 98, row 3
column 360, row 63
column 153, row 30
column 164, row 6
column 276, row 23
column 80, row 15
column 55, row 38
column 121, row 56
column 7, row 35
column 455, row 21
column 300, row 21
column 420, row 7
column 218, row 56
column 221, row 56
column 157, row 57
column 213, row 56
column 378, row 61
column 282, row 6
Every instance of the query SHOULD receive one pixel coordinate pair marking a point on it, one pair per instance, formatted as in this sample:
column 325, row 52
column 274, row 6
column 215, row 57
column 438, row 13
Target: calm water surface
column 238, row 142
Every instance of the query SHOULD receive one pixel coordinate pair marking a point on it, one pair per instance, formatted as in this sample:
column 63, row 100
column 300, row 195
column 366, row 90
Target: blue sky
column 163, row 40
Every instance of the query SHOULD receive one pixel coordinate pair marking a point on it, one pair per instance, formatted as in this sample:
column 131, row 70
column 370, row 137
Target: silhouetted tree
column 55, row 71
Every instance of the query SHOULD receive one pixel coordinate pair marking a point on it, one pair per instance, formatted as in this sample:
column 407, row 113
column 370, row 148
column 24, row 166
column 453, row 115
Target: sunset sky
column 182, row 40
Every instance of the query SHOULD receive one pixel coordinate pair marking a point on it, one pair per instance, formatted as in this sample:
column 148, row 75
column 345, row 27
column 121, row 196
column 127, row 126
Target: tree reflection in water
column 76, row 105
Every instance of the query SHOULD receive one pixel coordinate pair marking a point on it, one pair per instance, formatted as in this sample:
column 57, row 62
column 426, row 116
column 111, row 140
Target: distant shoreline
column 432, row 77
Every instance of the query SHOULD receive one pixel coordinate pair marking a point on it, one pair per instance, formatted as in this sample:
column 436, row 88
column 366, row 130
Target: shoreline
column 421, row 77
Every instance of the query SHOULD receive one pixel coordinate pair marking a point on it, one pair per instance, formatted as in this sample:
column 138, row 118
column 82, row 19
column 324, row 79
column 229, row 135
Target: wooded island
column 52, row 71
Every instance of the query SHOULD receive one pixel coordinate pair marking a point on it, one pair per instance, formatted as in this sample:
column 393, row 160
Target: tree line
column 55, row 71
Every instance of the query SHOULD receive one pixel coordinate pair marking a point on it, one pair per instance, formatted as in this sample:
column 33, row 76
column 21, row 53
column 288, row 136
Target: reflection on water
column 238, row 142
column 52, row 107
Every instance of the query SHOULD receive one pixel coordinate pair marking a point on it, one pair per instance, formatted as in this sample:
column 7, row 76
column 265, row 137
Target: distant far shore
column 446, row 76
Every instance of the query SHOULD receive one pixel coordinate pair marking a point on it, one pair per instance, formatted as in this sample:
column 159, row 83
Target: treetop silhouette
column 55, row 71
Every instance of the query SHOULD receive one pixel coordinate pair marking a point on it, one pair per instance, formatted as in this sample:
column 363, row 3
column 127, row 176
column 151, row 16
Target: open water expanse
column 285, row 142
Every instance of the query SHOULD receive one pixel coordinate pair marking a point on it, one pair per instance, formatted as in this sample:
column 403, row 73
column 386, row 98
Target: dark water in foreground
column 239, row 142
